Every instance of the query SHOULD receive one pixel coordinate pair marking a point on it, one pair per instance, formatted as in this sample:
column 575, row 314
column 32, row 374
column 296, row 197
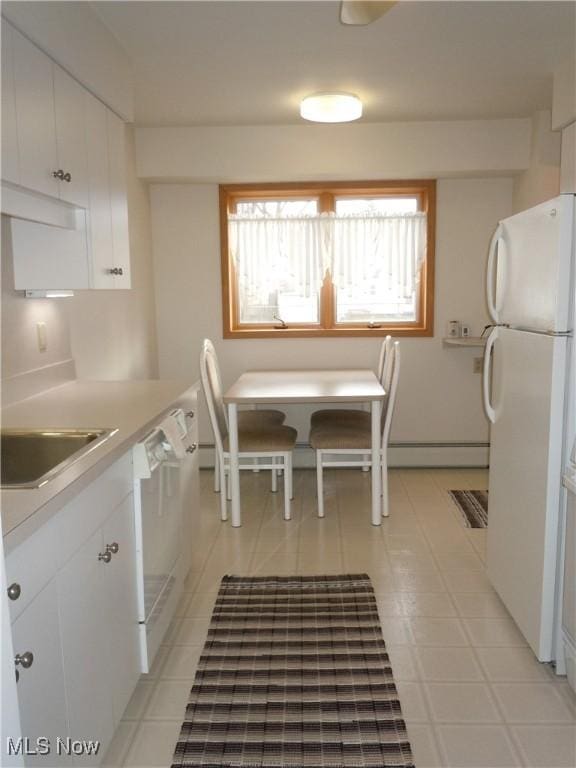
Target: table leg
column 234, row 471
column 376, row 474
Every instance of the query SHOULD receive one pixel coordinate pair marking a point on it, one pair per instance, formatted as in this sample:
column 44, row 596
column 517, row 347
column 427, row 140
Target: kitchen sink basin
column 32, row 457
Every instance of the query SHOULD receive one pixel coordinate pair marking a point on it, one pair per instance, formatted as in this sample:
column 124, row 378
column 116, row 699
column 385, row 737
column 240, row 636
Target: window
column 350, row 259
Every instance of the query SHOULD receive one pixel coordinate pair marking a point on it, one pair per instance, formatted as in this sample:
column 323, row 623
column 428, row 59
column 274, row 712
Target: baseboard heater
column 400, row 454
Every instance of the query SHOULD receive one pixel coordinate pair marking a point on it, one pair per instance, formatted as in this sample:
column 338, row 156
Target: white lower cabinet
column 121, row 607
column 40, row 687
column 100, row 630
column 86, row 646
column 74, row 611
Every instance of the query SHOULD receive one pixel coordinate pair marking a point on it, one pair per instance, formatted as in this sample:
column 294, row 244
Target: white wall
column 316, row 152
column 541, row 180
column 73, row 35
column 439, row 397
column 110, row 334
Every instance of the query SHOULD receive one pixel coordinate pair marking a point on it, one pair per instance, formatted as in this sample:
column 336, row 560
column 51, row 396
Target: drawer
column 79, row 519
column 30, row 567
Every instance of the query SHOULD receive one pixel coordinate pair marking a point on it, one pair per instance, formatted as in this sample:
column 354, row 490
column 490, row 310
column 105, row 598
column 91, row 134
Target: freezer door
column 524, row 482
column 529, row 267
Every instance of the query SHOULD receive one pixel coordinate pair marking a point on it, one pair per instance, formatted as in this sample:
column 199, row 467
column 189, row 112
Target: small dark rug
column 294, row 673
column 473, row 506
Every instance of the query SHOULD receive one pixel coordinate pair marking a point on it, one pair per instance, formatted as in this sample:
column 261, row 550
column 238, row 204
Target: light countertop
column 131, row 407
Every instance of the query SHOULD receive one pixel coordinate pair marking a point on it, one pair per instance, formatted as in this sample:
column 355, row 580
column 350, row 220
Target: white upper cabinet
column 70, row 116
column 110, row 250
column 60, row 141
column 10, row 170
column 34, row 87
column 101, row 247
column 118, row 199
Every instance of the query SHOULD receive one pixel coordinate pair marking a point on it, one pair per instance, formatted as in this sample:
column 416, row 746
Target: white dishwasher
column 569, row 599
column 158, row 523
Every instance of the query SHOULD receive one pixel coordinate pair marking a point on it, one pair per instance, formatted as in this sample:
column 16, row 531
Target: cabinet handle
column 116, row 271
column 190, row 414
column 14, row 591
column 24, row 659
column 105, row 556
column 191, row 448
column 112, row 548
column 60, row 174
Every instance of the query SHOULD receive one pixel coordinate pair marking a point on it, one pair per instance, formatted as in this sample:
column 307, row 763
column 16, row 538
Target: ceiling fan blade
column 362, row 12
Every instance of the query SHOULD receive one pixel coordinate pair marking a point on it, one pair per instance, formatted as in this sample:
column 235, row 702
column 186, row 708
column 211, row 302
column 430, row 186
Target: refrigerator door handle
column 487, row 368
column 492, row 274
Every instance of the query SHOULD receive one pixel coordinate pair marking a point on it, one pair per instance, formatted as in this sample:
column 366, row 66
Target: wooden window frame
column 231, row 194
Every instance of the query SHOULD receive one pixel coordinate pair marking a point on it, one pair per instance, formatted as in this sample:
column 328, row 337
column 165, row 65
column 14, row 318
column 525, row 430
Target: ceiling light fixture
column 331, row 108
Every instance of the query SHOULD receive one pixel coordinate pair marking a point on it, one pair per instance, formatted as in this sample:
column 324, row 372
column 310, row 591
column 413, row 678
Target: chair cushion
column 255, row 419
column 344, row 417
column 343, row 436
column 270, row 438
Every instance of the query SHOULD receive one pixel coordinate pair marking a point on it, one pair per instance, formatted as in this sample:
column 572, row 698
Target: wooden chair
column 272, row 442
column 345, row 438
column 247, row 420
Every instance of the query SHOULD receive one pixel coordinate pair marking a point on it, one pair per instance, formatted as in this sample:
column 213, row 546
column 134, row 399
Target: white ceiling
column 249, row 63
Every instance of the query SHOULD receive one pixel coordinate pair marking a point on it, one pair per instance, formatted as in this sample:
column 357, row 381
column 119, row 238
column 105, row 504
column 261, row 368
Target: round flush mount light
column 331, row 108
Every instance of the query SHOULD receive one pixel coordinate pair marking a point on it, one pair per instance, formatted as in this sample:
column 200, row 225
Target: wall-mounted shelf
column 465, row 341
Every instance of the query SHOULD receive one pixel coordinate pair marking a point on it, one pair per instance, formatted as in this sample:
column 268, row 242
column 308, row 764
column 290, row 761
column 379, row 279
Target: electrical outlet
column 42, row 337
column 478, row 364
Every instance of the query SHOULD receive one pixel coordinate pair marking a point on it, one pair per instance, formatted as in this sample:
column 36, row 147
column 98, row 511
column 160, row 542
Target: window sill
column 304, row 333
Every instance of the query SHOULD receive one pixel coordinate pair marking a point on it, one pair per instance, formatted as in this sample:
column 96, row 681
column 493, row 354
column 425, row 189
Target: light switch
column 42, row 337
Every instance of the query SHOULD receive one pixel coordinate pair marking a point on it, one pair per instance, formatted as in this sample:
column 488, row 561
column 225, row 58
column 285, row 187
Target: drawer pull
column 116, row 271
column 14, row 591
column 105, row 556
column 113, row 548
column 191, row 448
column 24, row 659
column 190, row 414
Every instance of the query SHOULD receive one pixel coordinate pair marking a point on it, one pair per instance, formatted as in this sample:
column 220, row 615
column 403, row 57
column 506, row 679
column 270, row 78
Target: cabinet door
column 189, row 478
column 122, row 606
column 69, row 105
column 41, row 685
column 100, row 215
column 118, row 200
column 86, row 649
column 10, row 170
column 34, row 88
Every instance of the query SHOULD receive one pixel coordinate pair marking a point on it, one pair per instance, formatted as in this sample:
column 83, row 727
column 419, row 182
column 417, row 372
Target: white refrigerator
column 529, row 392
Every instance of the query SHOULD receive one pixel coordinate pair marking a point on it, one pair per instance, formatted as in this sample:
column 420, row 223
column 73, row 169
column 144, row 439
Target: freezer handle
column 487, row 368
column 492, row 273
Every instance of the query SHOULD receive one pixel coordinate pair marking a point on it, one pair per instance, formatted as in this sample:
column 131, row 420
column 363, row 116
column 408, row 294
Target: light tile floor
column 471, row 691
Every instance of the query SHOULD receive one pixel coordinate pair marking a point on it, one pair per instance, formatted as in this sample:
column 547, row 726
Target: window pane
column 360, row 304
column 282, row 305
column 348, row 205
column 277, row 247
column 275, row 208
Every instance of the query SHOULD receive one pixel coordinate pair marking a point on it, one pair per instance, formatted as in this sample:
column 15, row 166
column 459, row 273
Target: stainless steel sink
column 32, row 457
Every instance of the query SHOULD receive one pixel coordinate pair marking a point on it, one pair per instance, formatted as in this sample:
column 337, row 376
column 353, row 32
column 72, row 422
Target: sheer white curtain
column 380, row 251
column 379, row 254
column 278, row 254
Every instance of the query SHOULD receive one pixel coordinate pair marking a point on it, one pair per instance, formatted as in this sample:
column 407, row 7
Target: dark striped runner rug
column 294, row 673
column 473, row 506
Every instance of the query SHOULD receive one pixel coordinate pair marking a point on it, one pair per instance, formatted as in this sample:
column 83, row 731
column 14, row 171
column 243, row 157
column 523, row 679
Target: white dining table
column 306, row 386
